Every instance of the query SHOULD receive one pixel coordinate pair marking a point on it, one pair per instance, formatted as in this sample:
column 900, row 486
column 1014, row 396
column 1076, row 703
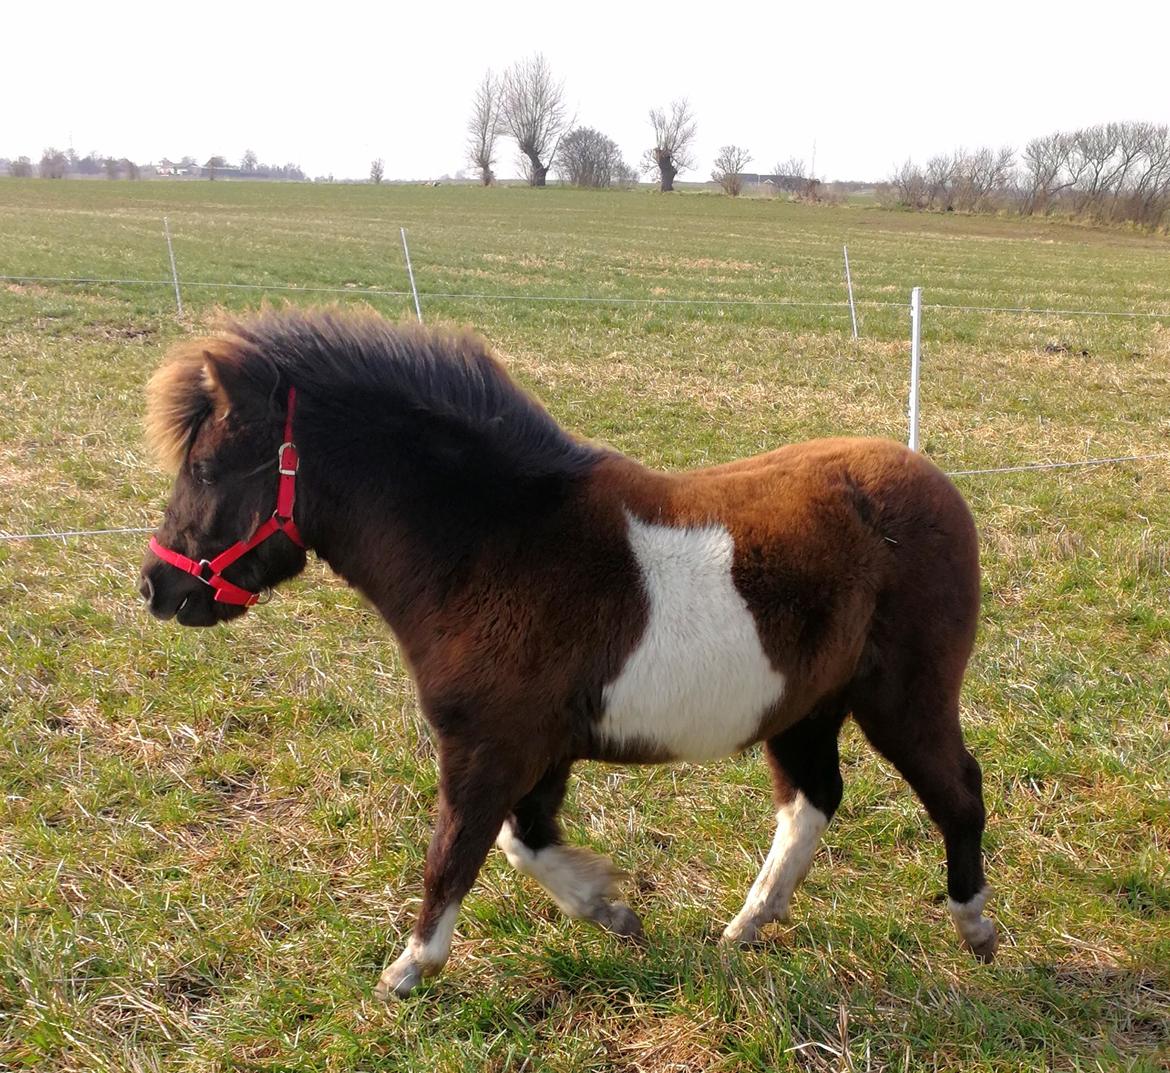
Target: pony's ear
column 212, row 378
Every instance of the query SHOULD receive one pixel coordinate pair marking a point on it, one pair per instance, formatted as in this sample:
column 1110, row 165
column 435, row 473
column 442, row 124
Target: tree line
column 527, row 104
column 58, row 164
column 1108, row 173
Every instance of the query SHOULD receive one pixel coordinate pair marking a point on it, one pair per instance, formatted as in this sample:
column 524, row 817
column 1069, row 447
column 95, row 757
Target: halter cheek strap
column 210, row 571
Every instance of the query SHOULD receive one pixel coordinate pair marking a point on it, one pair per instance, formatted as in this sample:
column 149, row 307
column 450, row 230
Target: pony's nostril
column 146, row 589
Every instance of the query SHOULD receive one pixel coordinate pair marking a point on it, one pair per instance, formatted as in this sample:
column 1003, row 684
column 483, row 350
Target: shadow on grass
column 1056, row 1015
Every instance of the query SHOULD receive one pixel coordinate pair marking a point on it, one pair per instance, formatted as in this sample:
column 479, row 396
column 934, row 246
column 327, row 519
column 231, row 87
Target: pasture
column 210, row 841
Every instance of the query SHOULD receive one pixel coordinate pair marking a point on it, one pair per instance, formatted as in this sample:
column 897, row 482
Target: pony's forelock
column 179, row 395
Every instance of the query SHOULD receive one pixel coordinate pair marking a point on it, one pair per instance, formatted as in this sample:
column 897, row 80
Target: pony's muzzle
column 169, row 593
column 163, row 596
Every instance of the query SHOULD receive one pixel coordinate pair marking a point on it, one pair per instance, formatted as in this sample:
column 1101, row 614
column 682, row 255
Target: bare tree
column 625, row 175
column 910, row 186
column 1003, row 178
column 1112, row 172
column 20, row 168
column 1132, row 141
column 1092, row 151
column 532, row 107
column 1045, row 171
column 113, row 168
column 377, row 171
column 791, row 175
column 586, row 157
column 966, row 182
column 969, row 180
column 131, row 170
column 249, row 163
column 674, row 136
column 1148, row 200
column 484, row 127
column 939, row 179
column 729, row 165
column 978, row 176
column 213, row 165
column 54, row 164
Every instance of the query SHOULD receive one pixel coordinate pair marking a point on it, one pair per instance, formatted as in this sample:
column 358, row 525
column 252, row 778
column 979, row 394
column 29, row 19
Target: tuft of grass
column 211, row 841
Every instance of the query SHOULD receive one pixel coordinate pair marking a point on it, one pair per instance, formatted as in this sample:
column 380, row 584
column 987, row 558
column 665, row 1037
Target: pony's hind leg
column 806, row 780
column 583, row 883
column 926, row 746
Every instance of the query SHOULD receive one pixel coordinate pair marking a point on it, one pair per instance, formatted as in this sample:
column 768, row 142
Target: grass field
column 211, row 840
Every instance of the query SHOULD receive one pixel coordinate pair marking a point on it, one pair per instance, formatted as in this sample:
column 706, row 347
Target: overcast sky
column 331, row 86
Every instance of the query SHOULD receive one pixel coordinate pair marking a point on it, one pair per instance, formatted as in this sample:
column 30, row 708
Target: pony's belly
column 698, row 683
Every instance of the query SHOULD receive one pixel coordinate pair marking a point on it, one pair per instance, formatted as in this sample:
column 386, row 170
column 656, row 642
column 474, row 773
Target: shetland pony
column 557, row 601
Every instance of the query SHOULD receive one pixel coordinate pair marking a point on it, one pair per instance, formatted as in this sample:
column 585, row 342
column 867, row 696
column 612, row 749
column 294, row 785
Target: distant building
column 791, row 184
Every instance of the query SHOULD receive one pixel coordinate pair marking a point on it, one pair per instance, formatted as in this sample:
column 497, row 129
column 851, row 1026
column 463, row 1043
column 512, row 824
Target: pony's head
column 217, row 421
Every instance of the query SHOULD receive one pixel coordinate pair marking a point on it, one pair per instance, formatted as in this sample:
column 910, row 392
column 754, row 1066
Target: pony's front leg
column 473, row 802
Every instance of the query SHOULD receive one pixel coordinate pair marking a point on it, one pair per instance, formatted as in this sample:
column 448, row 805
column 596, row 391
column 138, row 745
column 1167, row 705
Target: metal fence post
column 174, row 270
column 410, row 273
column 915, row 361
column 849, row 287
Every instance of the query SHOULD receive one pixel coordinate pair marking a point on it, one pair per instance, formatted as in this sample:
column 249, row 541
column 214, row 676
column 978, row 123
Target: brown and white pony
column 557, row 601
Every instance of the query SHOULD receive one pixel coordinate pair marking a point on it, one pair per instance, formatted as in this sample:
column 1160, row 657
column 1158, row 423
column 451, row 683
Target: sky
column 332, row 86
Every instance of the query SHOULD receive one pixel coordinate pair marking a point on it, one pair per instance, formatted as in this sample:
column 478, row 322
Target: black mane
column 362, row 374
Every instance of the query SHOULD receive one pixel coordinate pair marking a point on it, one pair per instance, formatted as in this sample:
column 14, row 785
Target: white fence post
column 410, row 272
column 174, row 270
column 915, row 361
column 849, row 287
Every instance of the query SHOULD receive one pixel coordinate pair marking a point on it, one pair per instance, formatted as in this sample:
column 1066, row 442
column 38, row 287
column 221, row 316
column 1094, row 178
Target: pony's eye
column 202, row 473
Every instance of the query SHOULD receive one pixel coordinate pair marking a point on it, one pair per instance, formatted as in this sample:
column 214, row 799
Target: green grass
column 210, row 841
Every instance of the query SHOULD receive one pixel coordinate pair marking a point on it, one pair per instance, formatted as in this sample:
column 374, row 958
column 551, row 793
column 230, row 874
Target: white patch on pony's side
column 578, row 880
column 799, row 826
column 698, row 682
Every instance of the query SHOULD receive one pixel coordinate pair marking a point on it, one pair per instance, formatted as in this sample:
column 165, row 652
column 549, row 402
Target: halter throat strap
column 210, row 571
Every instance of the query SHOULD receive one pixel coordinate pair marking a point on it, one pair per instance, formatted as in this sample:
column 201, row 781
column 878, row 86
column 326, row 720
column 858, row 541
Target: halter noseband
column 210, row 572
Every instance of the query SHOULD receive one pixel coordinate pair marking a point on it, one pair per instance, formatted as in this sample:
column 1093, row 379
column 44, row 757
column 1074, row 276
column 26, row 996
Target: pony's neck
column 409, row 521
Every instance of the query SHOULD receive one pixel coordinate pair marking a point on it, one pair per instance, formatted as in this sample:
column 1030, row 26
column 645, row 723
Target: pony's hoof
column 399, row 979
column 620, row 919
column 740, row 933
column 984, row 950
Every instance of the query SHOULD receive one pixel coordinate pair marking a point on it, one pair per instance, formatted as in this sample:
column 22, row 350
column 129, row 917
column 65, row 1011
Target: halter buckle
column 287, row 467
column 206, row 572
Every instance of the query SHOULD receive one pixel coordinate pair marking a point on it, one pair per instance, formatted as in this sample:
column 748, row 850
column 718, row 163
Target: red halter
column 211, row 572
